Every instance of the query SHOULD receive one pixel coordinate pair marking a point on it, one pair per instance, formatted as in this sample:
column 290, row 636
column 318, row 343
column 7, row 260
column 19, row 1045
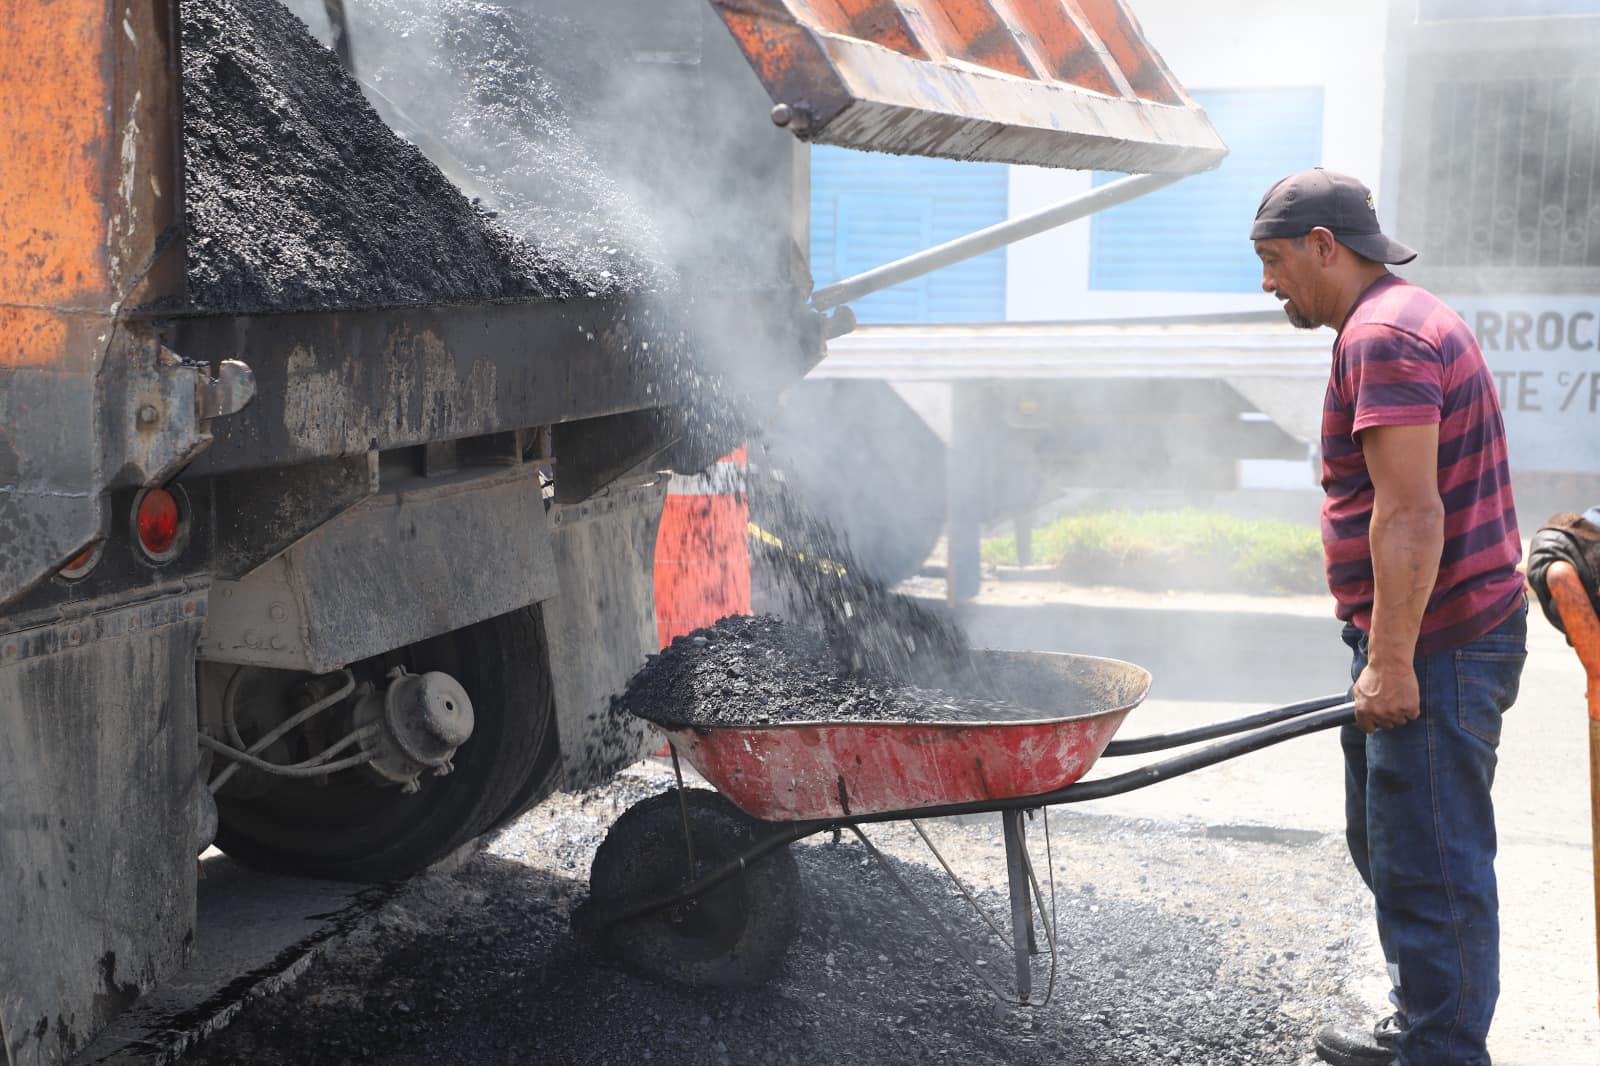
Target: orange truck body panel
column 55, row 151
column 90, row 191
column 88, row 180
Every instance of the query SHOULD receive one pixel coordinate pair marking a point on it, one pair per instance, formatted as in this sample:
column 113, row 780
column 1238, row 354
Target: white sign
column 1544, row 352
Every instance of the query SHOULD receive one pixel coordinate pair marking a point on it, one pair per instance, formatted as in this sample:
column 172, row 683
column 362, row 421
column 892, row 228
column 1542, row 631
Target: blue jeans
column 1420, row 825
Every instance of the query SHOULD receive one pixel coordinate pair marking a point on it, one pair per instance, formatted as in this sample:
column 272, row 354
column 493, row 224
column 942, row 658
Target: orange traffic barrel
column 702, row 558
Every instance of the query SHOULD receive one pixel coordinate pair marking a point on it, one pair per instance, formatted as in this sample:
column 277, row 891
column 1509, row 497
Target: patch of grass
column 1187, row 549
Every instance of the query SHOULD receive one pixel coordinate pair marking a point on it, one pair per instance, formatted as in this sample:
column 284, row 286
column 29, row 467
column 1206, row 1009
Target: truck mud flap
column 98, row 819
column 602, row 625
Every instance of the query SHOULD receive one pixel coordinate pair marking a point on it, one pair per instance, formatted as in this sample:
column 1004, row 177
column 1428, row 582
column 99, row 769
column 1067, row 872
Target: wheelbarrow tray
column 1070, row 706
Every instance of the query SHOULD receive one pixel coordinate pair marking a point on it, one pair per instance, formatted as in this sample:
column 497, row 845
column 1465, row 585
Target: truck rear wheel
column 349, row 826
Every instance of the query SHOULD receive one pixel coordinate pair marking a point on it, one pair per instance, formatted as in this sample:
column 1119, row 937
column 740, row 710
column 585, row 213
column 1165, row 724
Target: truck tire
column 352, row 828
column 737, row 934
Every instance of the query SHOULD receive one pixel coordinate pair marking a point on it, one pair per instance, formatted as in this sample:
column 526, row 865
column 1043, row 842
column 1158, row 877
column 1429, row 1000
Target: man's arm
column 1407, row 538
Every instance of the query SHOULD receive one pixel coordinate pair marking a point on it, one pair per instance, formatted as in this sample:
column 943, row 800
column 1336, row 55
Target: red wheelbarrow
column 699, row 886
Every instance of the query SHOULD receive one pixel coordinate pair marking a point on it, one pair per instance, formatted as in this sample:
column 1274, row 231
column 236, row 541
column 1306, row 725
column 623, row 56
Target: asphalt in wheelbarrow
column 759, row 670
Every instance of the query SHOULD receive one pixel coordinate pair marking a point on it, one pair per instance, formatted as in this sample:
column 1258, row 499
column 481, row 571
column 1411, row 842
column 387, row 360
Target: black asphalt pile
column 763, row 671
column 299, row 196
column 474, row 78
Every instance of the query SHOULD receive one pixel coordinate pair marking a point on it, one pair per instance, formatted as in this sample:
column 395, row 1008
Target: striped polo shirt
column 1403, row 359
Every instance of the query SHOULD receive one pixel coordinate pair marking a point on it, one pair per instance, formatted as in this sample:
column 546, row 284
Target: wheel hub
column 420, row 720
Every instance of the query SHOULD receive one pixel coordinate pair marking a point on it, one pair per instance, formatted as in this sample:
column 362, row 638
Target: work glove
column 1570, row 538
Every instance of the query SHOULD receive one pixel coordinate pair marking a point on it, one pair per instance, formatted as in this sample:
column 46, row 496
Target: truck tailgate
column 1059, row 83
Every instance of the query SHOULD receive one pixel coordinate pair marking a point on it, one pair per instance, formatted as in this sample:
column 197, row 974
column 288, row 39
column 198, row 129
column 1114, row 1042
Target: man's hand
column 1387, row 697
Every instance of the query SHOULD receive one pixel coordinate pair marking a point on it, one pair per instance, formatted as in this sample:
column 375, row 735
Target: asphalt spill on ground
column 1165, row 960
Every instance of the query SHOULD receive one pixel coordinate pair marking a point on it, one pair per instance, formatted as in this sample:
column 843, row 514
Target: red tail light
column 159, row 522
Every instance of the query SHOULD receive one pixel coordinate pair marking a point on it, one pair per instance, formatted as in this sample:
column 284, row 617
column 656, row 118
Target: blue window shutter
column 1453, row 10
column 1195, row 235
column 869, row 209
column 874, row 229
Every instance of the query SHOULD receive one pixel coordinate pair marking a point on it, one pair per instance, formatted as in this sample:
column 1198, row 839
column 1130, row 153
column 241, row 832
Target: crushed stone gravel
column 1174, row 950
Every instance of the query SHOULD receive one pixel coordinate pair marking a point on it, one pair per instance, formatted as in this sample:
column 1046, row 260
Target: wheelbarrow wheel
column 736, row 934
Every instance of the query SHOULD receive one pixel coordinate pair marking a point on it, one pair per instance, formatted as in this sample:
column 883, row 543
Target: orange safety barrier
column 702, row 556
column 1583, row 630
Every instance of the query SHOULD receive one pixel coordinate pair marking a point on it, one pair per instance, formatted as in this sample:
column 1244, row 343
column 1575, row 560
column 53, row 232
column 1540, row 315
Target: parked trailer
column 347, row 549
column 978, row 423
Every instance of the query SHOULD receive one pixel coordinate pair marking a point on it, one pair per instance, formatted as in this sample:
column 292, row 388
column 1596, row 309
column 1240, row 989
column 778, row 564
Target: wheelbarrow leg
column 1022, row 940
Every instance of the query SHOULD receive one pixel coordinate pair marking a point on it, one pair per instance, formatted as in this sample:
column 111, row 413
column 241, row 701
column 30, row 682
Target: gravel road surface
column 1177, row 945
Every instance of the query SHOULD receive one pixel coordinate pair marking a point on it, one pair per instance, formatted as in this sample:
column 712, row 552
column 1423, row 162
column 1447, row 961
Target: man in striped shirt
column 1421, row 544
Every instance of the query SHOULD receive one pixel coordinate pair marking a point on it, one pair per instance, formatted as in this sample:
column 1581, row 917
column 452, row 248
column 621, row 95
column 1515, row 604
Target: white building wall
column 1221, row 44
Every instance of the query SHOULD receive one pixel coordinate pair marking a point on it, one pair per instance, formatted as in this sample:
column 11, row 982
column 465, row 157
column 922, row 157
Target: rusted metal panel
column 90, row 241
column 1063, row 83
column 602, row 624
column 260, row 513
column 89, row 175
column 340, row 383
column 97, row 719
column 427, row 557
column 98, row 801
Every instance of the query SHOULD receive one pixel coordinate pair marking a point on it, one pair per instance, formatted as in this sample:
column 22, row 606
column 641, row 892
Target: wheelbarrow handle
column 1163, row 741
column 1304, row 725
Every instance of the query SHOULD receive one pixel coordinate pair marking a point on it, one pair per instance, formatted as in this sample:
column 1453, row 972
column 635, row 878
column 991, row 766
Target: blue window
column 1451, row 10
column 869, row 209
column 1195, row 236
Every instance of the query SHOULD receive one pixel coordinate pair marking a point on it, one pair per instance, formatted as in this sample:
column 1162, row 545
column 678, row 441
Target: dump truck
column 327, row 502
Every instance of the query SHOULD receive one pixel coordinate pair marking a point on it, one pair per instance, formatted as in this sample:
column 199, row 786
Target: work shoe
column 1345, row 1044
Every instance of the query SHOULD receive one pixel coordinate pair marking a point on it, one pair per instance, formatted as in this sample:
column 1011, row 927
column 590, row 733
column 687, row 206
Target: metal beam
column 987, row 240
column 337, row 384
column 1264, row 348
